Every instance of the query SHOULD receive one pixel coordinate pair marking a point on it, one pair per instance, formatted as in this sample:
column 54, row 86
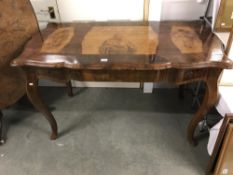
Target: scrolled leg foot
column 53, row 136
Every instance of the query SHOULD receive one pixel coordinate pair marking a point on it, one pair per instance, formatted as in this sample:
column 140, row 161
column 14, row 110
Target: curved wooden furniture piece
column 218, row 148
column 17, row 25
column 133, row 52
column 2, row 141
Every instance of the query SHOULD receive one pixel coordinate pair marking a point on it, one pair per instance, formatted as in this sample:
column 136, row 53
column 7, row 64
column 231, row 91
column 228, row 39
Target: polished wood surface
column 34, row 97
column 17, row 24
column 58, row 40
column 229, row 43
column 193, row 50
column 212, row 164
column 181, row 55
column 224, row 20
column 225, row 159
column 110, row 40
column 186, row 40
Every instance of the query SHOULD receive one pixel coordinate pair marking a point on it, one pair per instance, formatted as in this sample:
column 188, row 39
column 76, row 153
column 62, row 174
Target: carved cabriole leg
column 69, row 89
column 34, row 97
column 1, row 128
column 210, row 99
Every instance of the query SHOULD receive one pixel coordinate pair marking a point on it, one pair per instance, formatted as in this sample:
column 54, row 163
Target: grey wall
column 182, row 9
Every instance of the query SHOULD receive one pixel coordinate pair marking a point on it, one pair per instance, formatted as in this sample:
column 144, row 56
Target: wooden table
column 125, row 52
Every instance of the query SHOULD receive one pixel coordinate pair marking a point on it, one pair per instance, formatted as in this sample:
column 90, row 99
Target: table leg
column 1, row 129
column 36, row 100
column 210, row 99
column 69, row 89
column 181, row 91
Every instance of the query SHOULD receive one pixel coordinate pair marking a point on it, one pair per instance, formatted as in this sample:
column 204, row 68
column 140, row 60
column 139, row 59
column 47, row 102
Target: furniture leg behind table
column 210, row 99
column 69, row 89
column 34, row 97
column 1, row 128
column 214, row 163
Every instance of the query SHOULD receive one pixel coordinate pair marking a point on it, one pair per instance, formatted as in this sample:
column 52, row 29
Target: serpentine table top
column 125, row 51
column 129, row 45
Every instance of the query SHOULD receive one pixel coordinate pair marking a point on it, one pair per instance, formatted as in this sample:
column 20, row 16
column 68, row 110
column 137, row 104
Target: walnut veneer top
column 124, row 45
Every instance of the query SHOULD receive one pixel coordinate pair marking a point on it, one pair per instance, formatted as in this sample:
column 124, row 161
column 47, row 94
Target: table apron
column 177, row 76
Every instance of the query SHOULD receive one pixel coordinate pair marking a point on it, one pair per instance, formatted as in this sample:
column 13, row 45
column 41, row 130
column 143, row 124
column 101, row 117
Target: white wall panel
column 41, row 9
column 100, row 10
column 155, row 10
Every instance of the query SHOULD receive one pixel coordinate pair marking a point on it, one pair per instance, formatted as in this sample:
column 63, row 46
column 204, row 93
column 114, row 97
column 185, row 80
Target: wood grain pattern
column 225, row 159
column 212, row 164
column 17, row 25
column 117, row 45
column 58, row 40
column 120, row 40
column 12, row 83
column 81, row 53
column 186, row 40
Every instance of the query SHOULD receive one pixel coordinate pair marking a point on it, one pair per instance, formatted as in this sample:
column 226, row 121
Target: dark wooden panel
column 17, row 25
column 225, row 159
